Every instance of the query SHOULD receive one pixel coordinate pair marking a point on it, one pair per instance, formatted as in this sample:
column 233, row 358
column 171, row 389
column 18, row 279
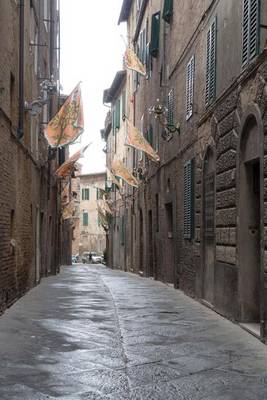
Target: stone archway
column 250, row 212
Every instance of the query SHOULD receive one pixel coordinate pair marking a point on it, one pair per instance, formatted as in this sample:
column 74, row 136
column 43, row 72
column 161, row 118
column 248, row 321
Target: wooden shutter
column 251, row 13
column 167, row 10
column 211, row 63
column 123, row 106
column 85, row 219
column 155, row 29
column 170, row 108
column 118, row 114
column 190, row 76
column 189, row 200
column 150, row 135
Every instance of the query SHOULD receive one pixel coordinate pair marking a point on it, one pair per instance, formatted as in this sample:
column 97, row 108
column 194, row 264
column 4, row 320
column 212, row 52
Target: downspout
column 20, row 130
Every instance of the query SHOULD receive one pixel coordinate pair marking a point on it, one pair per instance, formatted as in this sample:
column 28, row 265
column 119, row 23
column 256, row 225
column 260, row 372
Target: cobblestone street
column 93, row 333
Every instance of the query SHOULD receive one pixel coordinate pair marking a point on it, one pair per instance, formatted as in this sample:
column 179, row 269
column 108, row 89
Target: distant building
column 88, row 234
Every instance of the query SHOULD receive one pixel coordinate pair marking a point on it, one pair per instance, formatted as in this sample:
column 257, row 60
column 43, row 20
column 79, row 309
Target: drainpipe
column 20, row 130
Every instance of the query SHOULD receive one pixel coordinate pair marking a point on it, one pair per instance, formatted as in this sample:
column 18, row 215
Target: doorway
column 141, row 241
column 169, row 265
column 150, row 244
column 249, row 233
column 209, row 226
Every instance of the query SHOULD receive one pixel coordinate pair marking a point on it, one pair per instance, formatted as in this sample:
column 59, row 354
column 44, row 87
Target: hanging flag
column 101, row 192
column 68, row 166
column 114, row 180
column 65, row 195
column 132, row 62
column 68, row 211
column 119, row 169
column 134, row 138
column 105, row 206
column 68, row 124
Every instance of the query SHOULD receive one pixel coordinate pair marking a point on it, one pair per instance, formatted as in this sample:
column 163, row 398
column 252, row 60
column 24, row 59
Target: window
column 46, row 14
column 167, row 10
column 211, row 64
column 170, row 108
column 85, row 194
column 190, row 76
column 155, row 29
column 85, row 219
column 189, row 200
column 251, row 13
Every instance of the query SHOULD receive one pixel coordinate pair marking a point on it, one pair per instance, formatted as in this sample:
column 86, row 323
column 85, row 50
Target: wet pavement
column 92, row 333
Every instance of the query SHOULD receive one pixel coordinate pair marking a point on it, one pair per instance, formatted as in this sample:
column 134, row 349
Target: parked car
column 86, row 257
column 75, row 259
column 97, row 258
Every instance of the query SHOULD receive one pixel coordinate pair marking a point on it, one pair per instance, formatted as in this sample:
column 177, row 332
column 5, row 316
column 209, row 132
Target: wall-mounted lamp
column 160, row 111
column 48, row 88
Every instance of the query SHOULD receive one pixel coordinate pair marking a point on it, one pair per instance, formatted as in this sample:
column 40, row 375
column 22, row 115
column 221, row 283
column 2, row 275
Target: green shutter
column 118, row 114
column 123, row 106
column 190, row 77
column 211, row 63
column 85, row 219
column 155, row 29
column 113, row 121
column 167, row 10
column 150, row 135
column 189, row 200
column 251, row 22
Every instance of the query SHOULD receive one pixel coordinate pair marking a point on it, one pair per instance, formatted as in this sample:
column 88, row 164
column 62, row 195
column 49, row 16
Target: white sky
column 91, row 52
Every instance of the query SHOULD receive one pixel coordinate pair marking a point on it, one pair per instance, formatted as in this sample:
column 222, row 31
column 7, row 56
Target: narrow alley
column 94, row 333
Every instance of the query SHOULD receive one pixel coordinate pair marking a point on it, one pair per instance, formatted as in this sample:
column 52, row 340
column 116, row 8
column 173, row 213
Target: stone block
column 226, row 161
column 226, row 199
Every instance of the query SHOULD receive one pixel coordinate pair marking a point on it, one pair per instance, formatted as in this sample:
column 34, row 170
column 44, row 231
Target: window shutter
column 251, row 14
column 85, row 219
column 155, row 29
column 123, row 106
column 149, row 63
column 82, row 194
column 118, row 114
column 189, row 200
column 170, row 108
column 150, row 135
column 167, row 10
column 190, row 77
column 113, row 121
column 211, row 63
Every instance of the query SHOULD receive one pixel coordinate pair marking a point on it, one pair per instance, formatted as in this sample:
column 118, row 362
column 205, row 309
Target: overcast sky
column 91, row 52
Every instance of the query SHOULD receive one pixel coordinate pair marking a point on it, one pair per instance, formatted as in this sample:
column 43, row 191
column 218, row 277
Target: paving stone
column 99, row 334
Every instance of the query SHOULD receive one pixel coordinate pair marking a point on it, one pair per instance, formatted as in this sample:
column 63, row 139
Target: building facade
column 88, row 234
column 32, row 235
column 198, row 220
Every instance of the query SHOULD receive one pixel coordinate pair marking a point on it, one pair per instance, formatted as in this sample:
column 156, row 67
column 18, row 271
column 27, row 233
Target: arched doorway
column 209, row 225
column 249, row 226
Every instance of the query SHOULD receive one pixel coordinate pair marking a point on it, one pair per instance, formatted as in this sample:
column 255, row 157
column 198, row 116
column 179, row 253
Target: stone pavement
column 92, row 333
